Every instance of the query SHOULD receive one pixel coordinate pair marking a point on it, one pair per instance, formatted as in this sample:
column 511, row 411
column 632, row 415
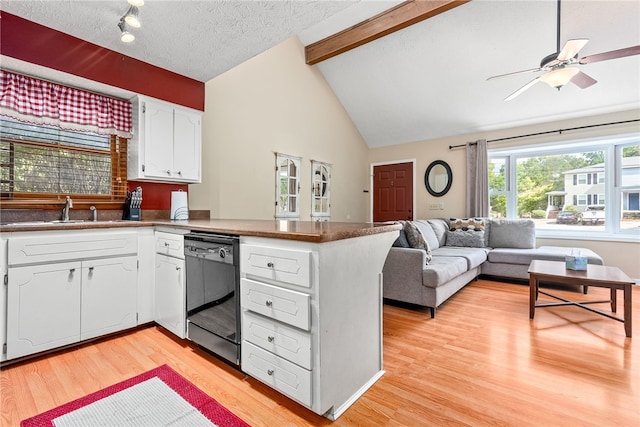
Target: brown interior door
column 393, row 192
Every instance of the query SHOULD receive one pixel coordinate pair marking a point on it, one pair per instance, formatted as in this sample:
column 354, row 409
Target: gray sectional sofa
column 428, row 267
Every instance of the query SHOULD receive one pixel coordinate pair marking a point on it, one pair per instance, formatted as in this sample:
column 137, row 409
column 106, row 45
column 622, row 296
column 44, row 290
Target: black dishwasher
column 213, row 288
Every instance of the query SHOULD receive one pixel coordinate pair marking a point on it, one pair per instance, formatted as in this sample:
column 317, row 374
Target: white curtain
column 477, row 203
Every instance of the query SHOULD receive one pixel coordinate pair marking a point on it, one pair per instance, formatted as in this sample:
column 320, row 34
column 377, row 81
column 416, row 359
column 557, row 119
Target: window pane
column 497, row 174
column 630, row 188
column 46, row 160
column 498, row 204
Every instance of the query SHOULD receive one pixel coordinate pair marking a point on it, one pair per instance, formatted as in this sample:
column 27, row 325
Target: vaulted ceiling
column 426, row 81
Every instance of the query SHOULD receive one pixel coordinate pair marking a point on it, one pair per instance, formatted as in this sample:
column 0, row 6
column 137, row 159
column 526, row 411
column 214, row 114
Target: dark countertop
column 308, row 231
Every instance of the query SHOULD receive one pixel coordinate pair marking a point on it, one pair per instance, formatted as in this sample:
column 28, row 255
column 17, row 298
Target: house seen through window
column 595, row 179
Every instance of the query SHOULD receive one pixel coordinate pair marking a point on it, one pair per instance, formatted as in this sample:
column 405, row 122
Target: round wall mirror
column 438, row 178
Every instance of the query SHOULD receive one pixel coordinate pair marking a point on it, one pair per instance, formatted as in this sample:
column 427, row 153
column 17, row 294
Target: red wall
column 31, row 42
column 156, row 196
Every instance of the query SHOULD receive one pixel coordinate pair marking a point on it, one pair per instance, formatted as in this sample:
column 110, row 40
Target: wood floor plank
column 480, row 361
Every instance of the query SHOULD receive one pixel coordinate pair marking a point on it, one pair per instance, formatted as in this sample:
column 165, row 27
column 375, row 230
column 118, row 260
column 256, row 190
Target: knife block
column 131, row 214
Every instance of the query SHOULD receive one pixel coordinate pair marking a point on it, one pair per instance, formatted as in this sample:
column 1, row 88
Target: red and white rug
column 160, row 397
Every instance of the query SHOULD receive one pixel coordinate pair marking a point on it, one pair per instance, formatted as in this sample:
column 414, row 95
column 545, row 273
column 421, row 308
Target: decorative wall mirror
column 287, row 186
column 320, row 191
column 438, row 178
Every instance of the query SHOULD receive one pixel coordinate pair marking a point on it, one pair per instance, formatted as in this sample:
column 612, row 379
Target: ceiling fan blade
column 613, row 54
column 532, row 70
column 583, row 81
column 522, row 89
column 571, row 48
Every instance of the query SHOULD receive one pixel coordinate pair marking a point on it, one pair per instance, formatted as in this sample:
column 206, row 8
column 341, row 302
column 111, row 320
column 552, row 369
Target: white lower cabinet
column 170, row 278
column 109, row 296
column 85, row 290
column 43, row 307
column 170, row 294
column 278, row 372
column 312, row 317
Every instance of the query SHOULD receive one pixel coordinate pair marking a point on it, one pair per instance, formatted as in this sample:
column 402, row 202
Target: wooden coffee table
column 596, row 275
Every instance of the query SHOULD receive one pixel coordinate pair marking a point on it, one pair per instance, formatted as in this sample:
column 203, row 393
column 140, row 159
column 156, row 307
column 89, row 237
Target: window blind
column 47, row 161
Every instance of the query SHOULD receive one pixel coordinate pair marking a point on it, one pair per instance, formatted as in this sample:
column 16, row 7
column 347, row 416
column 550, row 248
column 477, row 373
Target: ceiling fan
column 559, row 67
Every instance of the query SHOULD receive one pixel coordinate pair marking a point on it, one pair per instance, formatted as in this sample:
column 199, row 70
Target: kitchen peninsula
column 310, row 295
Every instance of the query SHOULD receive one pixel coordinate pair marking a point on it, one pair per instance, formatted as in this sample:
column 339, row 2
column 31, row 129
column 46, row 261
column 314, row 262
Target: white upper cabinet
column 166, row 145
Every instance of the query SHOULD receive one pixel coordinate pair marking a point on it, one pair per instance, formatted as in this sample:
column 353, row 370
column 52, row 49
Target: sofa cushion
column 439, row 227
column 519, row 234
column 442, row 269
column 474, row 256
column 428, row 233
column 546, row 253
column 465, row 238
column 415, row 238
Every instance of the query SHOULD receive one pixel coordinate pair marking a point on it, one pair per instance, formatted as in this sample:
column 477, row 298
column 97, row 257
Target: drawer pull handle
column 72, row 270
column 269, row 303
column 270, row 372
column 166, row 243
column 271, row 338
column 270, row 264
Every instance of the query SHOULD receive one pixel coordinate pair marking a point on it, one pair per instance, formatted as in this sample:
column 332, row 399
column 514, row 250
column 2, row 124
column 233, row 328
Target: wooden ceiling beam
column 387, row 22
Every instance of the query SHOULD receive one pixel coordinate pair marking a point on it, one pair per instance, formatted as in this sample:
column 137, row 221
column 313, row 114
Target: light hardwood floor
column 481, row 361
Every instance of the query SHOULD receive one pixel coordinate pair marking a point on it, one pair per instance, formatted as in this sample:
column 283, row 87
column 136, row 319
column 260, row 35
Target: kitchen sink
column 58, row 221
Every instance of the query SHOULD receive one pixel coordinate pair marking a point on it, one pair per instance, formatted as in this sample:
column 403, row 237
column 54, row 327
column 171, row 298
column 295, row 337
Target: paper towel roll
column 179, row 205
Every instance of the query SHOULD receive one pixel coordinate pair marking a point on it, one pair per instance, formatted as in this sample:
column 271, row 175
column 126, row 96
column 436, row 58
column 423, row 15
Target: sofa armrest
column 404, row 266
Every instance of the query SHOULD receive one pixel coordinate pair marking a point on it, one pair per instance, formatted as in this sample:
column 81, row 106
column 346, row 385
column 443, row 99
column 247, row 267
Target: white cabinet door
column 158, row 139
column 166, row 145
column 109, row 296
column 3, row 297
column 186, row 146
column 43, row 309
column 170, row 295
column 146, row 275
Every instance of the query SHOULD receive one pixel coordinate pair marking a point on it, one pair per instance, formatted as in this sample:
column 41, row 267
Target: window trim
column 612, row 147
column 118, row 155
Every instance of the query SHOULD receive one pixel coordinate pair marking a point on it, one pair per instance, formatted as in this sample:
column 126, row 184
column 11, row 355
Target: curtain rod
column 548, row 132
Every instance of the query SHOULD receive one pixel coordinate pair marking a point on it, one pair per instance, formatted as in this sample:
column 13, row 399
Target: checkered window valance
column 37, row 101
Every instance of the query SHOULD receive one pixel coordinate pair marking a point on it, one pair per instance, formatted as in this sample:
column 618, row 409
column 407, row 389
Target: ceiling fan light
column 136, row 2
column 559, row 77
column 131, row 17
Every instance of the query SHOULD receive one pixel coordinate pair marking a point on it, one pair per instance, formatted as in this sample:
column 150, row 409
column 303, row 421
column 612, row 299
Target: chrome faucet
column 94, row 213
column 65, row 211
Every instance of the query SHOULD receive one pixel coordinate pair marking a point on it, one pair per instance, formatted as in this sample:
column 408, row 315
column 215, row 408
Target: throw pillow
column 517, row 233
column 401, row 241
column 474, row 224
column 467, row 239
column 416, row 239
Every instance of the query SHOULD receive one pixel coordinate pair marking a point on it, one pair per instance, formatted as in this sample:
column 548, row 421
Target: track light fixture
column 130, row 18
column 125, row 35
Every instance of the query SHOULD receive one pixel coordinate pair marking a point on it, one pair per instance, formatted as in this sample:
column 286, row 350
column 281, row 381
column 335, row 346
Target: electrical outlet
column 441, row 205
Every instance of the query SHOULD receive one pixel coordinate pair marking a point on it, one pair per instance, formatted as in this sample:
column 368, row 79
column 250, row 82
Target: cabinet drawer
column 285, row 265
column 289, row 343
column 170, row 244
column 277, row 303
column 284, row 376
column 50, row 248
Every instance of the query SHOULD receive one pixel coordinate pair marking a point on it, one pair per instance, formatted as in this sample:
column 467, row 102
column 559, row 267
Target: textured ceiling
column 424, row 82
column 198, row 39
